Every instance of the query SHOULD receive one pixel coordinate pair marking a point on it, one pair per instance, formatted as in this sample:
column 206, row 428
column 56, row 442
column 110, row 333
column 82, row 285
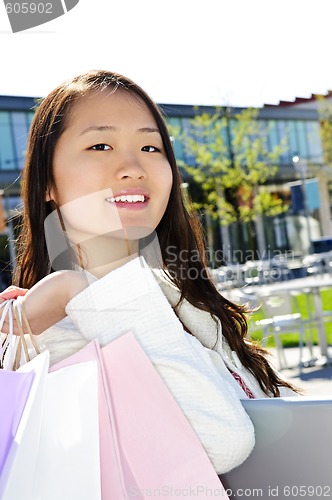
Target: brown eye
column 150, row 149
column 100, row 147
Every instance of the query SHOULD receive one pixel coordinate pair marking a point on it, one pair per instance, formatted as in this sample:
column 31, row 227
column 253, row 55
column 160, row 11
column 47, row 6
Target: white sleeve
column 129, row 299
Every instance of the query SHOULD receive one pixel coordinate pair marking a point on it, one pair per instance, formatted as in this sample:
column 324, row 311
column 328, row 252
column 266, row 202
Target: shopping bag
column 14, row 392
column 148, row 448
column 17, row 477
column 68, row 466
column 55, row 453
column 162, row 451
column 113, row 483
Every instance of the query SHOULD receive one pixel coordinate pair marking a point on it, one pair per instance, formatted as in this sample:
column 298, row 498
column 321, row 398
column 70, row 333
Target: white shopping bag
column 68, row 462
column 55, row 454
column 17, row 476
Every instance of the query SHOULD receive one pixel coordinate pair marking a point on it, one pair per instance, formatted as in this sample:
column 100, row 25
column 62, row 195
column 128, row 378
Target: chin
column 132, row 232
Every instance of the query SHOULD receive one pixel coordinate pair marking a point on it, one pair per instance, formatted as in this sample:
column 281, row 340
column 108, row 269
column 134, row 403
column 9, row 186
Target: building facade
column 297, row 124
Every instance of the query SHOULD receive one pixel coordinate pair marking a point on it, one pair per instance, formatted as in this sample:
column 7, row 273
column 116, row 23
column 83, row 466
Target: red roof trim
column 298, row 100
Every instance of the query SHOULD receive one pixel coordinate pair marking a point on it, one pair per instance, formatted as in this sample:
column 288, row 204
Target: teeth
column 129, row 198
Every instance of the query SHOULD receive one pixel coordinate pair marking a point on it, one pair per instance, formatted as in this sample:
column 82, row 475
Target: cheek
column 69, row 188
column 90, row 214
column 166, row 183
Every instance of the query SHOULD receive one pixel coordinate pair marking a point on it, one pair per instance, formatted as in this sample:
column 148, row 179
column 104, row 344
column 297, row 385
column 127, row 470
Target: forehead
column 116, row 108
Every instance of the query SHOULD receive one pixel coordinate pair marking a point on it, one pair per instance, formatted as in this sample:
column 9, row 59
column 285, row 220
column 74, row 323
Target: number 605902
column 29, row 8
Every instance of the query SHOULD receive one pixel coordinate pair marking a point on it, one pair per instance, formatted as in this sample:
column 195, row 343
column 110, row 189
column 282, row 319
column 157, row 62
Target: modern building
column 16, row 114
column 297, row 123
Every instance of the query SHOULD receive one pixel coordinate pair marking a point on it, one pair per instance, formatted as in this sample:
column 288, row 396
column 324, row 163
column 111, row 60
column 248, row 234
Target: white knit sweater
column 193, row 367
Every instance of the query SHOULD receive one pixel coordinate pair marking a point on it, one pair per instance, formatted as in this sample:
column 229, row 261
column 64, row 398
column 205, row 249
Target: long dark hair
column 179, row 229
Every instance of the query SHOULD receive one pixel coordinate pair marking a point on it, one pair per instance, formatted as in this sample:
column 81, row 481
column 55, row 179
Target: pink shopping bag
column 148, row 448
column 113, row 484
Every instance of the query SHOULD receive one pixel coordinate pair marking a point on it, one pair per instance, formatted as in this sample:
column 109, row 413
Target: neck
column 100, row 255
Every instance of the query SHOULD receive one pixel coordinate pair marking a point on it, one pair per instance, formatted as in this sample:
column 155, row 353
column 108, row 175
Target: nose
column 129, row 166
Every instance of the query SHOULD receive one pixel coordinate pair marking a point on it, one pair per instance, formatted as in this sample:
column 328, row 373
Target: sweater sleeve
column 129, row 298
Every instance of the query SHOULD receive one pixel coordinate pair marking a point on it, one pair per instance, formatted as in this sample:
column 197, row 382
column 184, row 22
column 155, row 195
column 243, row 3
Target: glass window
column 302, row 139
column 273, row 139
column 177, row 144
column 314, row 141
column 20, row 136
column 29, row 117
column 283, row 138
column 12, row 203
column 292, row 138
column 186, row 128
column 7, row 149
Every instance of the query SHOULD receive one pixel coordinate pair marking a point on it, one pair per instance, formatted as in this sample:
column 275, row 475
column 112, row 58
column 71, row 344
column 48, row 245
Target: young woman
column 100, row 184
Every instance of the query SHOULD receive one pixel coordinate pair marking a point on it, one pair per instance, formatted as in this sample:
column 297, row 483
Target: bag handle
column 19, row 305
column 16, row 308
column 8, row 341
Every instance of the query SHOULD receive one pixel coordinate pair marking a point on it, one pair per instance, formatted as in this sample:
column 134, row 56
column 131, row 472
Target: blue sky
column 236, row 52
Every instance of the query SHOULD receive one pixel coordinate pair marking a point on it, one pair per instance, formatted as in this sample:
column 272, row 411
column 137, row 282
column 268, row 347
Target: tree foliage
column 230, row 154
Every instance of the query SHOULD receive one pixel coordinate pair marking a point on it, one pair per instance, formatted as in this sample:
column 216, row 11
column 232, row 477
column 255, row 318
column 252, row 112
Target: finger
column 12, row 293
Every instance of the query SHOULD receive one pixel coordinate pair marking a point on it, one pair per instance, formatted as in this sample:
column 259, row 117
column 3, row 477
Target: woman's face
column 110, row 168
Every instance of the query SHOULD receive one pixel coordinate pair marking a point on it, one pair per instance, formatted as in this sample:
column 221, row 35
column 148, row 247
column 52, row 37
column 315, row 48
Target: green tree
column 231, row 161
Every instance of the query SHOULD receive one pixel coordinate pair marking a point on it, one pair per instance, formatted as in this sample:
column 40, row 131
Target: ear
column 49, row 195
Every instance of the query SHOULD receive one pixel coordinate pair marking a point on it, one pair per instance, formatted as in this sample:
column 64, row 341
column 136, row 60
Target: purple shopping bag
column 14, row 391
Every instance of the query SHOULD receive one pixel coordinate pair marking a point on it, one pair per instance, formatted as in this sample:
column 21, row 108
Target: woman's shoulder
column 202, row 324
column 171, row 291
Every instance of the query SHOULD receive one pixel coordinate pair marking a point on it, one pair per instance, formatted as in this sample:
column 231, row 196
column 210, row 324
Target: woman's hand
column 12, row 292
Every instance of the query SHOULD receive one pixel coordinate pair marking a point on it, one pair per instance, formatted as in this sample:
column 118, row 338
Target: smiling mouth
column 129, row 198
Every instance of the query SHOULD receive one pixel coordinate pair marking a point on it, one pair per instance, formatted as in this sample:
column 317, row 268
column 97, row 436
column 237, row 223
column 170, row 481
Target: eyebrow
column 111, row 128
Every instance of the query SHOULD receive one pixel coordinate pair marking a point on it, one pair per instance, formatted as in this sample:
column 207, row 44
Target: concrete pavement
column 315, row 380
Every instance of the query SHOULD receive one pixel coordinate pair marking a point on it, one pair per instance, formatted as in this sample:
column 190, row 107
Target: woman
column 100, row 164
